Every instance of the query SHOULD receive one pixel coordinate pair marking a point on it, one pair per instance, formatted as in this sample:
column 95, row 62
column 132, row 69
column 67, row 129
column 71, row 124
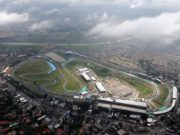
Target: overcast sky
column 151, row 19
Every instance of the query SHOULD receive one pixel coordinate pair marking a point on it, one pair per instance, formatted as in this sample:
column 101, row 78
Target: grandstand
column 85, row 76
column 123, row 105
column 135, row 106
column 100, row 87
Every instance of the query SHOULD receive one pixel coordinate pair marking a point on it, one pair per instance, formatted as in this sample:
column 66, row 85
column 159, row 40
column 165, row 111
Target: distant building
column 84, row 92
column 5, row 70
column 85, row 76
column 83, row 69
column 100, row 87
column 41, row 118
column 93, row 78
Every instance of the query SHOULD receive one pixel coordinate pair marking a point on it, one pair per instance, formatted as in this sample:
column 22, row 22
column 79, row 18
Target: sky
column 112, row 19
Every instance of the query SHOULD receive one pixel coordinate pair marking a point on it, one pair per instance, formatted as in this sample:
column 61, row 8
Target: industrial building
column 83, row 69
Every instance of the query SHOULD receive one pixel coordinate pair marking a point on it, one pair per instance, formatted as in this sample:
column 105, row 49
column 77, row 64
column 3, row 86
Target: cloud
column 41, row 26
column 67, row 19
column 92, row 17
column 19, row 2
column 163, row 25
column 99, row 17
column 101, row 2
column 104, row 16
column 129, row 3
column 52, row 11
column 137, row 3
column 9, row 18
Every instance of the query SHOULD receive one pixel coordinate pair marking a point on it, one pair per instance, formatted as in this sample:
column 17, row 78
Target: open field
column 110, row 54
column 37, row 72
column 123, row 62
column 82, row 48
column 33, row 66
column 55, row 57
column 120, row 89
column 144, row 88
column 99, row 70
column 67, row 82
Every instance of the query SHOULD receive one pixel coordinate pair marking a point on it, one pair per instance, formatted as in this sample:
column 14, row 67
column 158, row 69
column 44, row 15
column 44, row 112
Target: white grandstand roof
column 175, row 92
column 131, row 102
column 106, row 99
column 86, row 77
column 83, row 69
column 118, row 107
column 100, row 87
column 126, row 108
column 173, row 103
column 127, row 102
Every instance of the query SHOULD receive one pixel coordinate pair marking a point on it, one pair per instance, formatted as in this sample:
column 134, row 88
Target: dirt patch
column 55, row 57
column 120, row 89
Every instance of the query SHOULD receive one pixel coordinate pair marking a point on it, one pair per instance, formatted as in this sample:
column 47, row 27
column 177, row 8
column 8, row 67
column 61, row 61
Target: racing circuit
column 81, row 79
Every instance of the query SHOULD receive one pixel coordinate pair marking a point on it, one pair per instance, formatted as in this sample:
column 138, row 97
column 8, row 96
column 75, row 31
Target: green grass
column 123, row 62
column 40, row 78
column 33, row 66
column 159, row 101
column 99, row 70
column 34, row 76
column 35, row 72
column 82, row 48
column 43, row 81
column 73, row 83
column 143, row 87
column 58, row 87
